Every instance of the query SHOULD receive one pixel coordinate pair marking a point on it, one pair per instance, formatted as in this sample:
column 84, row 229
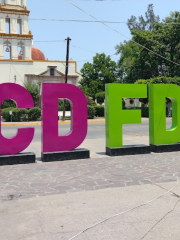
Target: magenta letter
column 24, row 136
column 50, row 94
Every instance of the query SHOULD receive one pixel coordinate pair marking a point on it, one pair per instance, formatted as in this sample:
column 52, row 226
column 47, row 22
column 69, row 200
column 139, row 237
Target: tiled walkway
column 24, row 181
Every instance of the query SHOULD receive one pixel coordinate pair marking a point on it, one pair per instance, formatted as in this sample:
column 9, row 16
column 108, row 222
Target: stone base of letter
column 21, row 158
column 128, row 150
column 63, row 156
column 165, row 148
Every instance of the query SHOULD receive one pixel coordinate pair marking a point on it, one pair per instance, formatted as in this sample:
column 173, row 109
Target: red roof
column 37, row 54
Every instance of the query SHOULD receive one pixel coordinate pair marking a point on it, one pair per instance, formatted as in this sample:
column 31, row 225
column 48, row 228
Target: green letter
column 157, row 114
column 115, row 116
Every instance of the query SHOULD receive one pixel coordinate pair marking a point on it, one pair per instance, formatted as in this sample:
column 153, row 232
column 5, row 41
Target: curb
column 67, row 122
column 39, row 123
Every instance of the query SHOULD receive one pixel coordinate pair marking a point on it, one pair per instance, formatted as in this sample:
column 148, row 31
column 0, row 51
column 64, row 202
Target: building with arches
column 20, row 61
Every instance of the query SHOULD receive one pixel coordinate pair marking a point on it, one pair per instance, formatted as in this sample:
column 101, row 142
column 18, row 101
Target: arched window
column 7, row 50
column 19, row 26
column 8, row 30
column 21, row 50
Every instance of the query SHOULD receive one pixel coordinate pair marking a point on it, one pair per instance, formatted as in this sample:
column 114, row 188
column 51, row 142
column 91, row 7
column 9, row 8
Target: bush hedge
column 34, row 114
column 66, row 118
column 144, row 110
column 19, row 115
column 61, row 105
column 7, row 104
column 100, row 97
column 99, row 111
column 160, row 80
column 91, row 112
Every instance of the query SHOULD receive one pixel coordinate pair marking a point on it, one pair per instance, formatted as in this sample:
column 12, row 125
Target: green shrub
column 5, row 114
column 66, row 118
column 99, row 111
column 144, row 110
column 24, row 115
column 8, row 103
column 91, row 112
column 160, row 80
column 61, row 105
column 123, row 104
column 34, row 114
column 100, row 97
column 19, row 115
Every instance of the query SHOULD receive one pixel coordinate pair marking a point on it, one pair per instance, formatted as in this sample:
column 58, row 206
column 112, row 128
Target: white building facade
column 19, row 60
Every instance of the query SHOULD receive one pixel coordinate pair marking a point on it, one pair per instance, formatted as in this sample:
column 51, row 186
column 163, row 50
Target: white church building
column 19, row 60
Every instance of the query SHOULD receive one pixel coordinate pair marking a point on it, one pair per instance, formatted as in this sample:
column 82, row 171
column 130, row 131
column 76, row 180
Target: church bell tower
column 15, row 37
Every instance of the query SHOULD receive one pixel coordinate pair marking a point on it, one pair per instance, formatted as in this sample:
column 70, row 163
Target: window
column 19, row 26
column 7, row 50
column 7, row 25
column 51, row 71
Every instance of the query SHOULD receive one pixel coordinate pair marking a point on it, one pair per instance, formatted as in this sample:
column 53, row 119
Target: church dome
column 37, row 54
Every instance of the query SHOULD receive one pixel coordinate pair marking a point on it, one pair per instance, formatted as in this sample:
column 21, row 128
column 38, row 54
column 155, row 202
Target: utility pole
column 66, row 74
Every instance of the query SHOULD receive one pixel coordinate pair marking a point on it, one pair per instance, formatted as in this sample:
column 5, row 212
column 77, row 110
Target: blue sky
column 91, row 36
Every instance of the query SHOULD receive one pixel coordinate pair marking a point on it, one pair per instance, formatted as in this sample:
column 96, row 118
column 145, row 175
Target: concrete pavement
column 63, row 216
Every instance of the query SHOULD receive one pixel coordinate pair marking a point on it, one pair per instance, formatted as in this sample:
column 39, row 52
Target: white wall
column 8, row 69
column 136, row 102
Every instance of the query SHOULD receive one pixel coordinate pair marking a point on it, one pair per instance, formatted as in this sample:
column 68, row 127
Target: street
column 95, row 130
column 95, row 141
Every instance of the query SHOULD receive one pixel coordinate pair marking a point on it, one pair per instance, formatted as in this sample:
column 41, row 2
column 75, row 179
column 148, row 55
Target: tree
column 95, row 75
column 100, row 97
column 34, row 90
column 129, row 52
column 140, row 63
column 144, row 24
column 158, row 80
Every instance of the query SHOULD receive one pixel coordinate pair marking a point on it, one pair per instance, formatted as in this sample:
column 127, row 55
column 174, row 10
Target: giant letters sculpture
column 50, row 94
column 24, row 136
column 115, row 116
column 158, row 133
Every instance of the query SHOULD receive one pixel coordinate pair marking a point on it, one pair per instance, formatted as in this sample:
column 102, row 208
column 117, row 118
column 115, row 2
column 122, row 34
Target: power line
column 90, row 21
column 83, row 48
column 102, row 0
column 120, row 33
column 105, row 0
column 50, row 41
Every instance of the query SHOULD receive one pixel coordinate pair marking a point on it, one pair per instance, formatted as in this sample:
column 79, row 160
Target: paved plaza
column 34, row 180
column 58, row 200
